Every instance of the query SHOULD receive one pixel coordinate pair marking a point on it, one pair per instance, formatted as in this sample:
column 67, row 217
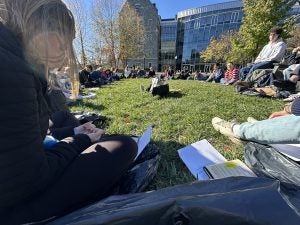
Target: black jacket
column 291, row 58
column 26, row 169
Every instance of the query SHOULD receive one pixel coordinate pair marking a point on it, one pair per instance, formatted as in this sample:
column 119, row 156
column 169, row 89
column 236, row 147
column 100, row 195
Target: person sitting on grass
column 36, row 37
column 231, row 75
column 267, row 131
column 200, row 76
column 271, row 53
column 217, row 73
column 290, row 79
column 85, row 74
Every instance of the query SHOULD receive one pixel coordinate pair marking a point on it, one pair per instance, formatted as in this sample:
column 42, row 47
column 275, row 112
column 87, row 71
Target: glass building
column 167, row 53
column 196, row 27
column 194, row 30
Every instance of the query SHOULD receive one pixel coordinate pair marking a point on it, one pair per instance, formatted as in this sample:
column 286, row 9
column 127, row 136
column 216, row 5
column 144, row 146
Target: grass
column 178, row 120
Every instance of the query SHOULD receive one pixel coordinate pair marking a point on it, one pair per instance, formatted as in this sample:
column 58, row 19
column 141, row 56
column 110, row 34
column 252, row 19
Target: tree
column 218, row 48
column 105, row 21
column 294, row 40
column 79, row 9
column 132, row 34
column 260, row 17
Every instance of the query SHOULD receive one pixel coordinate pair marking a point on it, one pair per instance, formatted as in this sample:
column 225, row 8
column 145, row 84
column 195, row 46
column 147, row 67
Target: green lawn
column 178, row 120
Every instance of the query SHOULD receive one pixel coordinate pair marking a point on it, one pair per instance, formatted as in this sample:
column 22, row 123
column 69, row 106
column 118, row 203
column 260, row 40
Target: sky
column 168, row 8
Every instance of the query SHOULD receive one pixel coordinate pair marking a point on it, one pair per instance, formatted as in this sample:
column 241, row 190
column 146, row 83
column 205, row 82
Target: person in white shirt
column 271, row 53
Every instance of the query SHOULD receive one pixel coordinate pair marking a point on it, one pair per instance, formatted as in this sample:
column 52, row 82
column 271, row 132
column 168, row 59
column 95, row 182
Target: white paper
column 290, row 150
column 198, row 155
column 144, row 140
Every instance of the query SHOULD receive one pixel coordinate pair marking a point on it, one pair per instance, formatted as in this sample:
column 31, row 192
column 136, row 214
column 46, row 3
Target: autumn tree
column 132, row 34
column 218, row 48
column 260, row 17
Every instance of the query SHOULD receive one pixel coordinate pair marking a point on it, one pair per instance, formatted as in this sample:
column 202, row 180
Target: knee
column 129, row 146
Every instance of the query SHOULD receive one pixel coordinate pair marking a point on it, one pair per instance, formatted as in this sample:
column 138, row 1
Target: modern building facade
column 150, row 53
column 178, row 42
column 197, row 26
column 167, row 53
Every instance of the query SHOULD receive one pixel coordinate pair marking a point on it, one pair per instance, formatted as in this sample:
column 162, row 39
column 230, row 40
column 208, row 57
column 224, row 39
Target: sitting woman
column 200, row 76
column 266, row 131
column 231, row 75
column 36, row 37
column 217, row 74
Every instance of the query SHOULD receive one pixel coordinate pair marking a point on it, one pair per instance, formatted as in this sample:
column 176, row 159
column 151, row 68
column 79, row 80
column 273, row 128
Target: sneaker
column 225, row 128
column 292, row 97
column 251, row 120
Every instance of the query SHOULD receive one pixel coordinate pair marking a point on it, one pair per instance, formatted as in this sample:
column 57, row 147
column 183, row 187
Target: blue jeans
column 279, row 130
column 223, row 81
column 246, row 72
column 292, row 69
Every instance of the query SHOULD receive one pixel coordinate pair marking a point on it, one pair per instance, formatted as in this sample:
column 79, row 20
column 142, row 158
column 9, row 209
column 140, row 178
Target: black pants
column 90, row 177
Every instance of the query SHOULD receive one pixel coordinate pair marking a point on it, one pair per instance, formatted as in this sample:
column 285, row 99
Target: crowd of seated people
column 98, row 77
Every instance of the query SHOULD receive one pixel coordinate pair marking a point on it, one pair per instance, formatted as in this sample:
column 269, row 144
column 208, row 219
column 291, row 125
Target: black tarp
column 234, row 200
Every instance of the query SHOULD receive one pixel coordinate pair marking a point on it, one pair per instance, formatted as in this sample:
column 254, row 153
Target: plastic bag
column 266, row 161
column 141, row 173
column 234, row 200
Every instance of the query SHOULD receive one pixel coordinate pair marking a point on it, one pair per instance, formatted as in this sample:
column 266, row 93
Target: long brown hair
column 27, row 18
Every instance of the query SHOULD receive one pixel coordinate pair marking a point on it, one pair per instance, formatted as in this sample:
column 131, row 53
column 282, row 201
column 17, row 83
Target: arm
column 277, row 53
column 62, row 132
column 259, row 57
column 226, row 75
column 23, row 125
column 292, row 108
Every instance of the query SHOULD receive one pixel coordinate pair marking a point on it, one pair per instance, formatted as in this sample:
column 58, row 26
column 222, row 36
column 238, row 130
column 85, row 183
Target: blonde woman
column 35, row 38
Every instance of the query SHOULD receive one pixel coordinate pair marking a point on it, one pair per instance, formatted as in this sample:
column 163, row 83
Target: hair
column 28, row 18
column 89, row 66
column 276, row 30
column 230, row 63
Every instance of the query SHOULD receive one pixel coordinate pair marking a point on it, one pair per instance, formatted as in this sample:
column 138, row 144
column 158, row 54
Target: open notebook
column 200, row 154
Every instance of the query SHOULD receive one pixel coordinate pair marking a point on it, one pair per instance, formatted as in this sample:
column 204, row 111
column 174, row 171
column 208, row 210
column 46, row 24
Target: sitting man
column 290, row 79
column 266, row 131
column 217, row 74
column 272, row 53
column 151, row 73
column 85, row 74
column 231, row 75
column 290, row 74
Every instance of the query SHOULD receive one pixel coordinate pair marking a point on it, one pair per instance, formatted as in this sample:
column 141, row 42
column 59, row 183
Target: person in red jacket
column 36, row 38
column 231, row 75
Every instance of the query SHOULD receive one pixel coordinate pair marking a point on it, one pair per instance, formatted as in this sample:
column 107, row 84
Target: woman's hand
column 85, row 128
column 96, row 135
column 277, row 114
column 90, row 130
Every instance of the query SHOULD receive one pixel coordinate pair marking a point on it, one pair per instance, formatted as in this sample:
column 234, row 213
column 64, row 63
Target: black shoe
column 286, row 85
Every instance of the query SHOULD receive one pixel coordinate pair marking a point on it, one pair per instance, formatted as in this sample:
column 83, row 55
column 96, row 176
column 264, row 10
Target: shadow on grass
column 171, row 170
column 80, row 103
column 173, row 94
column 93, row 106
